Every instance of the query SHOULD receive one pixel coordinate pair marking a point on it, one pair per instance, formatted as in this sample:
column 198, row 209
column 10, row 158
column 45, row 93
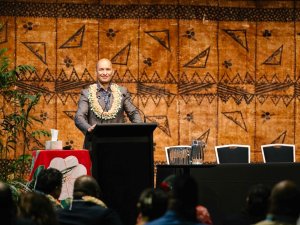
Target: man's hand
column 91, row 128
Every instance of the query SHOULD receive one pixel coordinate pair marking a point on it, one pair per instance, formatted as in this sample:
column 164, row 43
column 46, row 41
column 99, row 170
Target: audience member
column 37, row 208
column 284, row 206
column 8, row 208
column 202, row 213
column 257, row 202
column 86, row 207
column 151, row 205
column 182, row 203
column 49, row 182
column 7, row 205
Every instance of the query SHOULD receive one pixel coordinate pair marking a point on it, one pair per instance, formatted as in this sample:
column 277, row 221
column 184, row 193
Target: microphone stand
column 144, row 116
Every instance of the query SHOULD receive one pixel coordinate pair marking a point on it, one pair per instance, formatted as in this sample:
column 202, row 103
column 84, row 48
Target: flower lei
column 96, row 107
column 93, row 200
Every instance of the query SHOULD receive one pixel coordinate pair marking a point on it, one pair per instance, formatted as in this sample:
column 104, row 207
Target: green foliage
column 16, row 126
column 9, row 77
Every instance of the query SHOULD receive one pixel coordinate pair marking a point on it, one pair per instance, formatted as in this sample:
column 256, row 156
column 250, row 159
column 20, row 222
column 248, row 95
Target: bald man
column 86, row 207
column 104, row 102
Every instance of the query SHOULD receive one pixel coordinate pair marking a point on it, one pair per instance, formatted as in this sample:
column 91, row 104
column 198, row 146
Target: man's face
column 104, row 71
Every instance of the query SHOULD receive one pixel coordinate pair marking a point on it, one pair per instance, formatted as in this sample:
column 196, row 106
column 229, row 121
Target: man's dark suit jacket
column 87, row 213
column 85, row 117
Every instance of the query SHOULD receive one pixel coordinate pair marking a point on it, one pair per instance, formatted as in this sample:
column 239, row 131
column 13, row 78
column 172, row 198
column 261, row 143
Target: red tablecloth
column 72, row 163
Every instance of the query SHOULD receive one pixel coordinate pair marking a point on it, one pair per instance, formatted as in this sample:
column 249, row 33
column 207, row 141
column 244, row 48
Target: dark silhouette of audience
column 257, row 202
column 37, row 208
column 284, row 206
column 7, row 205
column 182, row 203
column 202, row 213
column 86, row 207
column 49, row 182
column 151, row 205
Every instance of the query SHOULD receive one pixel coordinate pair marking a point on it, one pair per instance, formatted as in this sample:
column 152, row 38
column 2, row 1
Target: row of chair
column 233, row 153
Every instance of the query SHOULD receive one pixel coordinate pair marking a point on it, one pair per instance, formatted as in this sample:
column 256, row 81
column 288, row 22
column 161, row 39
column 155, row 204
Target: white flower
column 96, row 107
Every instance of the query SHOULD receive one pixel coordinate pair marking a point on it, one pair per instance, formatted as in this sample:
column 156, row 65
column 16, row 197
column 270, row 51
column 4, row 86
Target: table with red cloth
column 72, row 163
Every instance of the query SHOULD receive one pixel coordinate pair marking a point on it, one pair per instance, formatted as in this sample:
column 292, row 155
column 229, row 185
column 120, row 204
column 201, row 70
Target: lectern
column 122, row 163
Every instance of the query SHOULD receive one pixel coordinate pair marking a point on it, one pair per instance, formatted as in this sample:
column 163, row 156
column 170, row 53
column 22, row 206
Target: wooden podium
column 122, row 163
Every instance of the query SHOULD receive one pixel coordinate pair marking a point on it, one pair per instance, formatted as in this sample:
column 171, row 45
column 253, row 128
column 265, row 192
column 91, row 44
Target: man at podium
column 104, row 102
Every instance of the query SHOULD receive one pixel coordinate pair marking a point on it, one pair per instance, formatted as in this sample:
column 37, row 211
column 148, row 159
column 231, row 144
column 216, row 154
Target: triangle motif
column 204, row 136
column 3, row 33
column 63, row 97
column 162, row 37
column 209, row 79
column 144, row 99
column 62, row 76
column 275, row 58
column 275, row 99
column 280, row 139
column 38, row 49
column 121, row 58
column 183, row 79
column 169, row 99
column 210, row 98
column 117, row 78
column 47, row 76
column 287, row 100
column 199, row 99
column 248, row 98
column 288, row 79
column 263, row 80
column 262, row 98
column 237, row 98
column 76, row 40
column 128, row 77
column 240, row 36
column 70, row 114
column 275, row 80
column 75, row 97
column 186, row 98
column 155, row 78
column 144, row 78
column 74, row 75
column 248, row 79
column 225, row 79
column 199, row 61
column 33, row 76
column 162, row 123
column 196, row 78
column 237, row 118
column 156, row 99
column 48, row 97
column 237, row 79
column 86, row 76
column 170, row 79
column 29, row 76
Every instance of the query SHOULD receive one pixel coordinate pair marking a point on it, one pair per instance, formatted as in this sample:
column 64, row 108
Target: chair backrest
column 178, row 154
column 233, row 153
column 278, row 153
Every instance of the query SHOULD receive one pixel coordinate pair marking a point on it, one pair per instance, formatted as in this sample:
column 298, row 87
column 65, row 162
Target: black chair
column 233, row 153
column 278, row 153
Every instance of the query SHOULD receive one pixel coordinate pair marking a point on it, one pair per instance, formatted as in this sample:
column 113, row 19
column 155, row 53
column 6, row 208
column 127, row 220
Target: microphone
column 144, row 116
